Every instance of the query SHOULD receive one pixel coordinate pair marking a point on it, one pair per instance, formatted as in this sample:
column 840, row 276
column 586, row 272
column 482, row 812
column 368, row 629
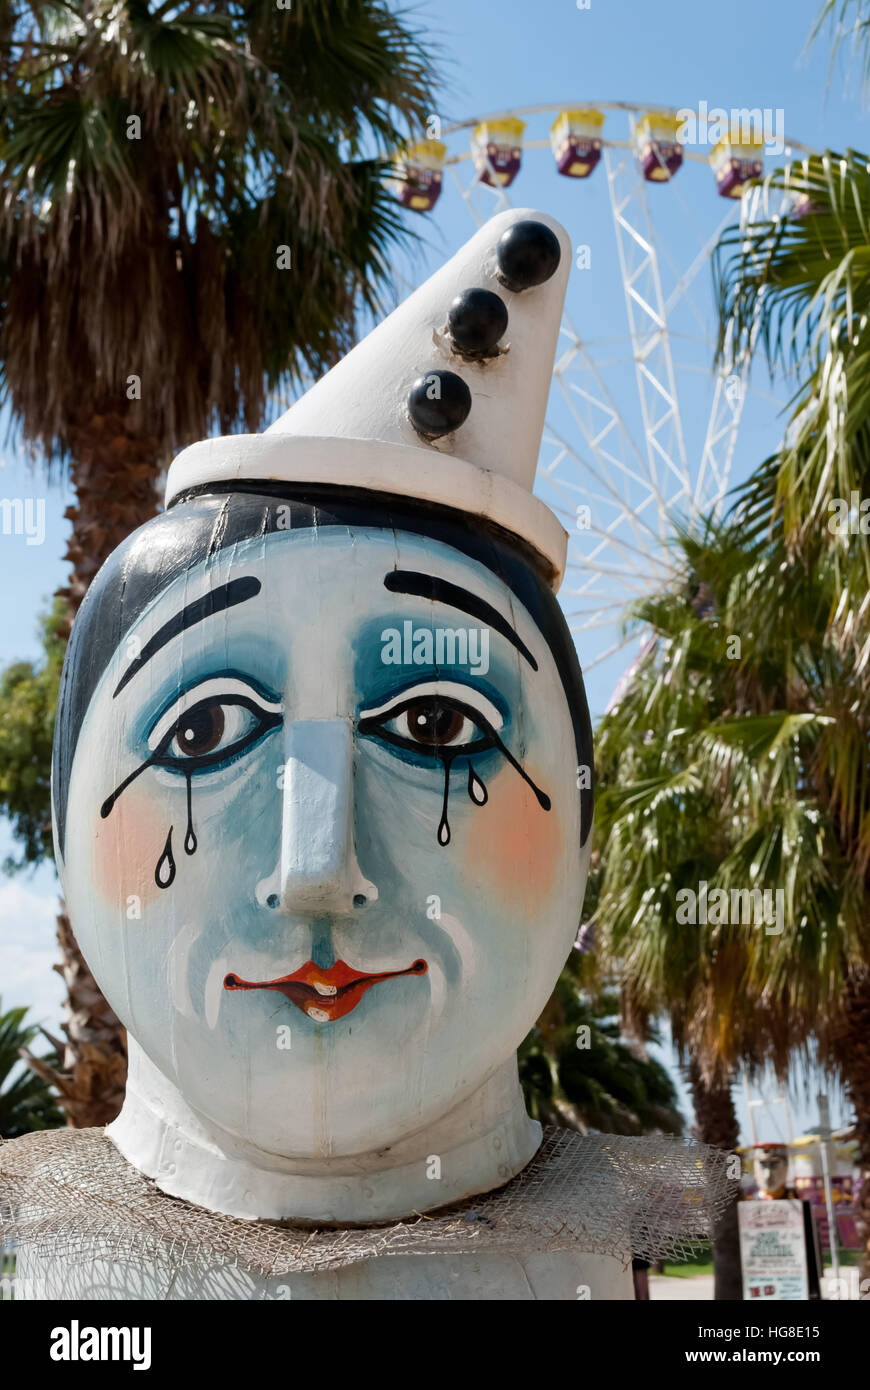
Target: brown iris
column 200, row 730
column 433, row 723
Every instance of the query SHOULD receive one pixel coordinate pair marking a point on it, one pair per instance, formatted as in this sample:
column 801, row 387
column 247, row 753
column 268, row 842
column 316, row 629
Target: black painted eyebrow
column 428, row 586
column 215, row 601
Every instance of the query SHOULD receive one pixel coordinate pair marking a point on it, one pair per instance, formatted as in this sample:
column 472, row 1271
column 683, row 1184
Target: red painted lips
column 325, row 995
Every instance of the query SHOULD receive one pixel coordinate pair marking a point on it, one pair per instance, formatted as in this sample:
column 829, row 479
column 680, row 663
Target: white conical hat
column 354, row 428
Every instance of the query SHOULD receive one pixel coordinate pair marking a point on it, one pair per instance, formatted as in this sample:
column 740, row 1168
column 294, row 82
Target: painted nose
column 318, row 872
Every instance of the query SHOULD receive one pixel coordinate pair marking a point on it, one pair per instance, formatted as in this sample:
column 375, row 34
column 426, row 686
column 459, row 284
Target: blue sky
column 503, row 54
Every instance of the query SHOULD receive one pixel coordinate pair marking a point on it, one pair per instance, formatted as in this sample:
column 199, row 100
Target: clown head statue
column 322, row 768
column 771, row 1171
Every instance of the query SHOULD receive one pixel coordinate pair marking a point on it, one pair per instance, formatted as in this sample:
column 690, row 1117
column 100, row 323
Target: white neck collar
column 480, row 1145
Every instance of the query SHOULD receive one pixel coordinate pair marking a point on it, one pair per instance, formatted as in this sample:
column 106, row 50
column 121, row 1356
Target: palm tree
column 796, row 285
column 26, row 1103
column 848, row 19
column 746, row 763
column 803, row 282
column 658, row 829
column 578, row 1072
column 743, row 764
column 192, row 212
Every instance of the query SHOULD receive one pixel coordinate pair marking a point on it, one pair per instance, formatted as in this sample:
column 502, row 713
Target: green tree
column 750, row 765
column 28, row 699
column 795, row 285
column 578, row 1072
column 26, row 1103
column 727, row 760
column 193, row 211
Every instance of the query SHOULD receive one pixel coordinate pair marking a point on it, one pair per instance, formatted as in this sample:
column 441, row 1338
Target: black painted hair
column 203, row 521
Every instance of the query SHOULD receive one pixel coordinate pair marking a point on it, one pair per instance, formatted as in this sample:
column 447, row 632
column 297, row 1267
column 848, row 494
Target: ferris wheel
column 641, row 431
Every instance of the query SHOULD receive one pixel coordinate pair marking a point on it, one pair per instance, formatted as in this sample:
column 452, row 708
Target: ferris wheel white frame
column 613, row 460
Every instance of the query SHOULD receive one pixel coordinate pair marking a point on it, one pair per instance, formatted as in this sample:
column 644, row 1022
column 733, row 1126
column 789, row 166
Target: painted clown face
column 771, row 1170
column 321, row 829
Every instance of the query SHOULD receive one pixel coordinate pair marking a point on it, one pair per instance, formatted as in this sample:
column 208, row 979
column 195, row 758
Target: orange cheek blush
column 127, row 846
column 513, row 847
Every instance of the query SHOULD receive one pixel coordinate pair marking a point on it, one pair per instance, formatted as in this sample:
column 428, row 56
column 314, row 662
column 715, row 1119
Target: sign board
column 773, row 1252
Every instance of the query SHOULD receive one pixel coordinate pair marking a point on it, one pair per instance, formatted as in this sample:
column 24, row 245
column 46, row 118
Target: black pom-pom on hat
column 476, row 320
column 528, row 254
column 439, row 402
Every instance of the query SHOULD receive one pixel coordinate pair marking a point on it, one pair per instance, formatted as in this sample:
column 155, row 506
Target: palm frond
column 154, row 160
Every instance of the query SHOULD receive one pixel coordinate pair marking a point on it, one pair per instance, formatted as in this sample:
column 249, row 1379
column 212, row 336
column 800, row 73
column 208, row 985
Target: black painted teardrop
column 476, row 790
column 190, row 840
column 164, row 873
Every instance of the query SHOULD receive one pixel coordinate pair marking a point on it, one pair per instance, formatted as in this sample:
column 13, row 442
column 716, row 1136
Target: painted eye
column 440, row 715
column 434, row 723
column 207, row 726
column 211, row 730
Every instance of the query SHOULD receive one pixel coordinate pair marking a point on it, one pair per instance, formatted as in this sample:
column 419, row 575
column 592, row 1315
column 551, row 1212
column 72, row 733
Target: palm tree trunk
column 716, row 1124
column 91, row 1086
column 113, row 473
column 852, row 1047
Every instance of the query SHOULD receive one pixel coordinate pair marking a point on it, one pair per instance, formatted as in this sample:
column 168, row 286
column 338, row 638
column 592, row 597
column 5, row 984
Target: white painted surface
column 559, row 1276
column 481, row 1144
column 365, row 395
column 319, row 867
column 406, row 470
column 341, row 1124
column 352, row 427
